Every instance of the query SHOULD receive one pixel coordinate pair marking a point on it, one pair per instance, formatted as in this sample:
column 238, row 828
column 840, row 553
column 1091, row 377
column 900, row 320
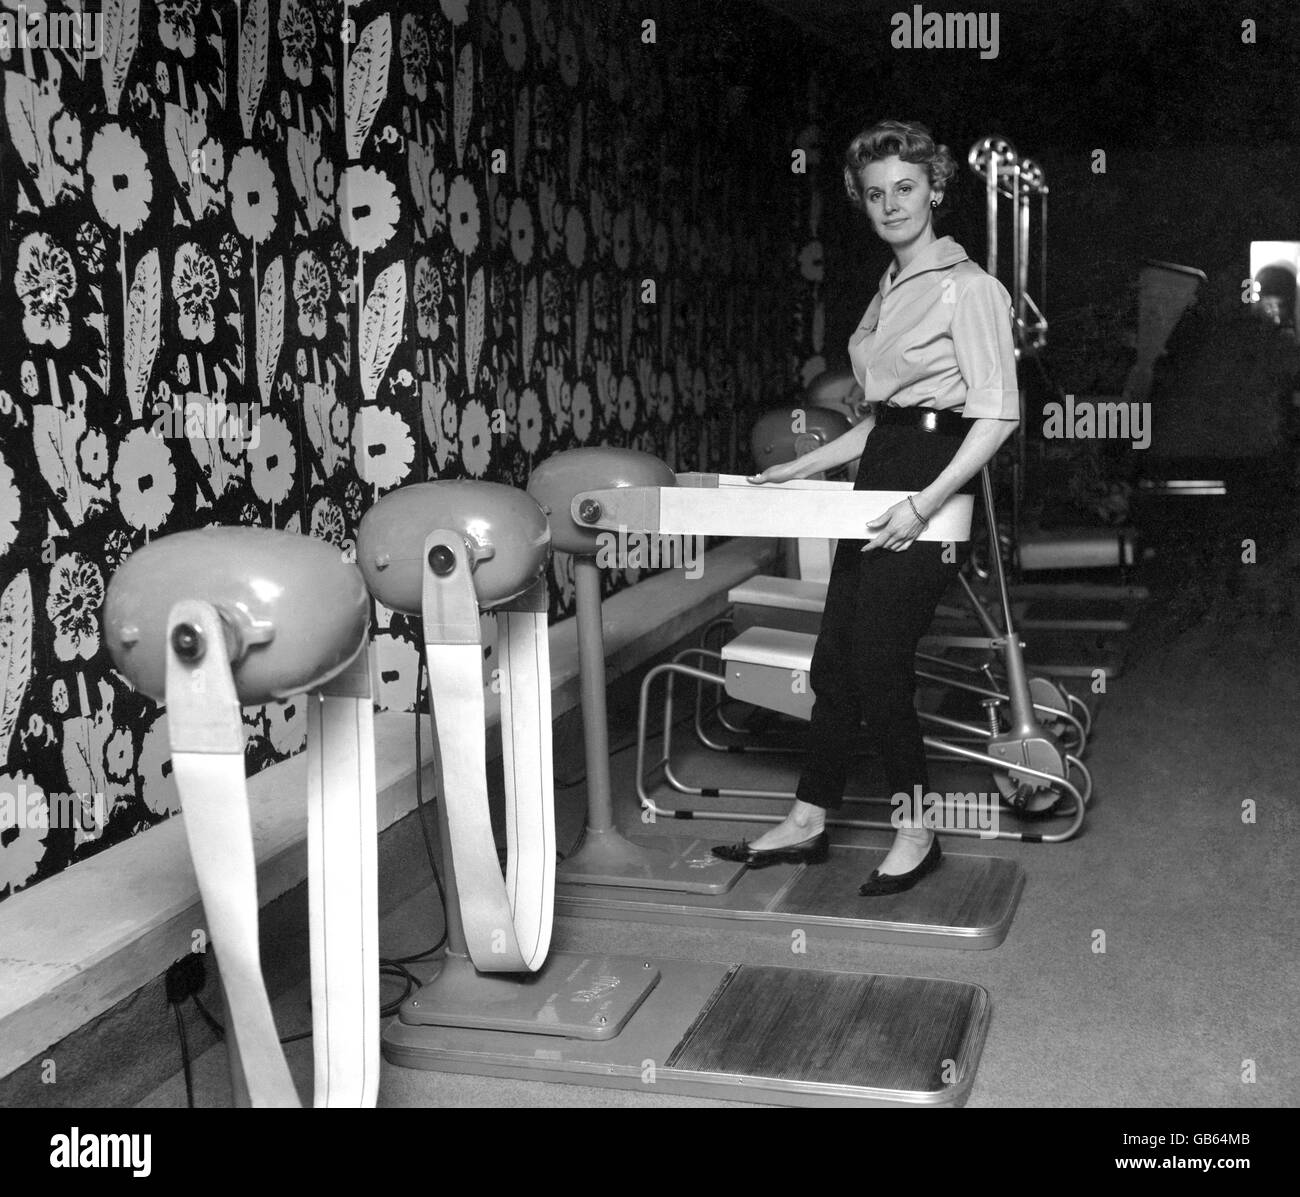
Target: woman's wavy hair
column 906, row 140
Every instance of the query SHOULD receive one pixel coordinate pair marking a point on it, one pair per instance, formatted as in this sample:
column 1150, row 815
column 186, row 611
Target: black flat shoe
column 813, row 851
column 879, row 884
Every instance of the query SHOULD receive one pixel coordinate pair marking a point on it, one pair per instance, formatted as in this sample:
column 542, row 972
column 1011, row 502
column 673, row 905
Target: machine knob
column 441, row 560
column 187, row 642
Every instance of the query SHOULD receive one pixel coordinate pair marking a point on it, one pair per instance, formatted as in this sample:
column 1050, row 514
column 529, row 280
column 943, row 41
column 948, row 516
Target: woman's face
column 897, row 195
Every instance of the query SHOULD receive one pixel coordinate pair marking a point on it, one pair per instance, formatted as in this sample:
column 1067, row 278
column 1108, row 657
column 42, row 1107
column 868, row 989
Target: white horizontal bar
column 734, row 507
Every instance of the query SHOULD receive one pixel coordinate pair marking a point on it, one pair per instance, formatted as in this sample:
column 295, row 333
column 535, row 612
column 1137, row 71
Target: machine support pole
column 591, row 669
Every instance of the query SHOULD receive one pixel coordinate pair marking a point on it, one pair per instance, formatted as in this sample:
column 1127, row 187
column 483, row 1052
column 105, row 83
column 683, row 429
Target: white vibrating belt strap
column 507, row 922
column 729, row 505
column 207, row 746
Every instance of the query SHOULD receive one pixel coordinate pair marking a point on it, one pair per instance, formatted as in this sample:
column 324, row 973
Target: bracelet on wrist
column 925, row 523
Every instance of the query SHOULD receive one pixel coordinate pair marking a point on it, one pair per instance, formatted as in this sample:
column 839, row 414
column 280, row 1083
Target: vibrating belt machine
column 212, row 620
column 655, row 875
column 502, row 1004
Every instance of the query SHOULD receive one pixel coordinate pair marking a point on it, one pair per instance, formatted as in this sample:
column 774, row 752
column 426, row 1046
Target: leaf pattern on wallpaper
column 121, row 36
column 575, row 149
column 666, row 310
column 85, row 739
column 221, row 457
column 629, row 307
column 15, row 655
column 581, row 323
column 474, row 323
column 143, row 330
column 30, row 109
column 254, row 34
column 55, row 436
column 367, row 81
column 528, row 330
column 421, row 161
column 381, row 327
column 319, row 400
column 270, row 327
column 464, row 101
column 521, row 135
column 304, row 152
column 184, row 132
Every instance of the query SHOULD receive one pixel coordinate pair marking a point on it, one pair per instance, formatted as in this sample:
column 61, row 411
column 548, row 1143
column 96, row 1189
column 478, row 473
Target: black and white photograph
column 647, row 554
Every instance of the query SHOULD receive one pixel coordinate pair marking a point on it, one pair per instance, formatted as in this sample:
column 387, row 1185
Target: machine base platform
column 743, row 1033
column 579, row 997
column 968, row 903
column 680, row 863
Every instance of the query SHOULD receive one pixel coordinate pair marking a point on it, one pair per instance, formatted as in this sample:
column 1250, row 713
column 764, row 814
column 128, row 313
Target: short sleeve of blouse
column 986, row 356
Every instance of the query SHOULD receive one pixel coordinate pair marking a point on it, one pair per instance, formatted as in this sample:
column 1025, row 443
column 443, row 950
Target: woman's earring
column 934, row 203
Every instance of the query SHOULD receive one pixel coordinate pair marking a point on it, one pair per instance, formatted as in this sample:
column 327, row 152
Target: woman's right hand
column 786, row 471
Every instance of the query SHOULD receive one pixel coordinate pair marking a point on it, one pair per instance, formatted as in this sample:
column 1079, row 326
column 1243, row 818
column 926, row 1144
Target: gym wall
column 253, row 210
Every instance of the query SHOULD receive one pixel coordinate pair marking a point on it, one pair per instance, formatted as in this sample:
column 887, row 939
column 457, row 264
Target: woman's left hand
column 894, row 529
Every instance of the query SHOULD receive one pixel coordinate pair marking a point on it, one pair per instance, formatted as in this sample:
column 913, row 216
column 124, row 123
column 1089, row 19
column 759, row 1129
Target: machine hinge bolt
column 589, row 511
column 442, row 560
column 187, row 642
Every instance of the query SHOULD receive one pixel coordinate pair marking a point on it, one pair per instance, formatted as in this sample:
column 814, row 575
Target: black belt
column 926, row 419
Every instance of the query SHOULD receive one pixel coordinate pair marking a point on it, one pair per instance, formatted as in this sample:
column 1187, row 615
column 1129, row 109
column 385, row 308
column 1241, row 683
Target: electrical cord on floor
column 394, row 966
column 185, row 1055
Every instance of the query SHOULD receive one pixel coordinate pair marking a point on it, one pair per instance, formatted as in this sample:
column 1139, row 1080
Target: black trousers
column 878, row 606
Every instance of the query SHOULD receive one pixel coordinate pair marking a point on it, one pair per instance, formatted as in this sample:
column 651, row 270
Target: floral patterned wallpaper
column 265, row 260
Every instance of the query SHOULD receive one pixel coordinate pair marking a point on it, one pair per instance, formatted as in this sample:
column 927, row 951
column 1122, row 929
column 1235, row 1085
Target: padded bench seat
column 792, row 594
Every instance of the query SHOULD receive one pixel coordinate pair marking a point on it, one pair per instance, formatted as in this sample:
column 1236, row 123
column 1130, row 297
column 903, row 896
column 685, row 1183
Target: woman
column 934, row 353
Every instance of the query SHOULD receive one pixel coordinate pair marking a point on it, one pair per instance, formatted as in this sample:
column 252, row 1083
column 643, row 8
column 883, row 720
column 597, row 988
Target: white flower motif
column 44, row 280
column 311, row 288
column 254, row 199
column 582, row 412
column 75, row 598
column 382, row 447
column 10, row 507
column 121, row 182
column 627, row 402
column 195, row 285
column 144, row 479
column 271, row 461
column 287, row 724
column 298, row 40
column 530, row 421
column 21, row 853
column 154, row 767
column 475, row 438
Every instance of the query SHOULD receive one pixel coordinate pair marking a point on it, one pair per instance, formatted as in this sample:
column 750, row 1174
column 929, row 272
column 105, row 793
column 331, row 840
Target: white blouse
column 939, row 335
